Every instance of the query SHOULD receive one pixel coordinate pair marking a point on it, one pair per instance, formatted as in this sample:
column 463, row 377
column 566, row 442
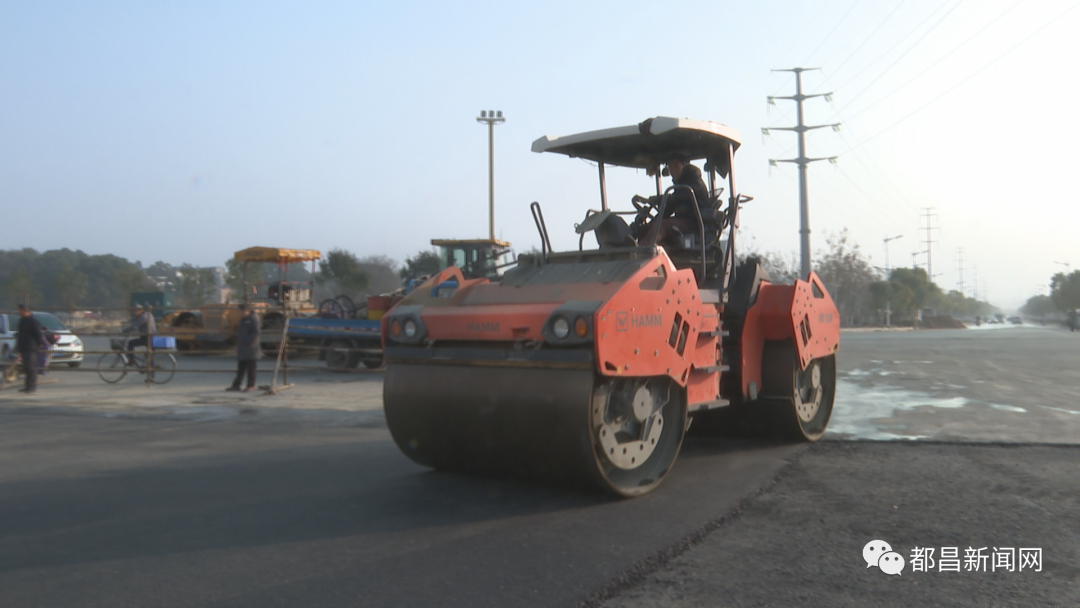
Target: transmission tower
column 929, row 214
column 802, row 161
column 960, row 271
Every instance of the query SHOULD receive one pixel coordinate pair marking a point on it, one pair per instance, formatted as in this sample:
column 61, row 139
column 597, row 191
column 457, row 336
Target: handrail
column 541, row 226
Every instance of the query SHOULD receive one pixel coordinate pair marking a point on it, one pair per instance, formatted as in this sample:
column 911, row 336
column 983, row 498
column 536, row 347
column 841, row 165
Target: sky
column 185, row 131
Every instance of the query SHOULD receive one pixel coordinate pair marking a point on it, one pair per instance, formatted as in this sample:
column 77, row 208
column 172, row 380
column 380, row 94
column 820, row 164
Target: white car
column 69, row 349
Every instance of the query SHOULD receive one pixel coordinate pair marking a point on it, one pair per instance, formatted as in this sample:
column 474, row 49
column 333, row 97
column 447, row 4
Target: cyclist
column 144, row 326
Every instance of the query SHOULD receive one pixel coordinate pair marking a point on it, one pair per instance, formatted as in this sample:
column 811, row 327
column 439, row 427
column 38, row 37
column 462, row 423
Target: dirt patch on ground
column 941, row 322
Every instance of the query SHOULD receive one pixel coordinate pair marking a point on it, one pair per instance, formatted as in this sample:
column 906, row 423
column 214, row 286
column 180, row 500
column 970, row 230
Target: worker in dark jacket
column 30, row 339
column 684, row 174
column 143, row 326
column 247, row 348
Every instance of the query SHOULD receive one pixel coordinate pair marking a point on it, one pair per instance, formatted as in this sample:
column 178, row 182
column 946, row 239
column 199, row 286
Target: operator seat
column 278, row 292
column 614, row 232
column 680, row 237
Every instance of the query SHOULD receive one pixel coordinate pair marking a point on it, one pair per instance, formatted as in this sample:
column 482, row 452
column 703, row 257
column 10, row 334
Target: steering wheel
column 646, row 210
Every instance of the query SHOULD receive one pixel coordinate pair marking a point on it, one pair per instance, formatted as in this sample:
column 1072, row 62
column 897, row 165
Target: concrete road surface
column 185, row 495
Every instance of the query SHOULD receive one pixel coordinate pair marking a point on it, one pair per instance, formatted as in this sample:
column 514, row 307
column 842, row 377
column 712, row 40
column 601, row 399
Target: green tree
column 908, row 289
column 1039, row 306
column 236, row 274
column 423, row 263
column 195, row 285
column 958, row 305
column 127, row 278
column 20, row 287
column 341, row 271
column 71, row 287
column 382, row 272
column 1065, row 290
column 108, row 278
column 163, row 275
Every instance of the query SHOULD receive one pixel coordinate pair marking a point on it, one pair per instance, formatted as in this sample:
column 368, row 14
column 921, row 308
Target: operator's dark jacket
column 247, row 338
column 143, row 324
column 679, row 201
column 30, row 335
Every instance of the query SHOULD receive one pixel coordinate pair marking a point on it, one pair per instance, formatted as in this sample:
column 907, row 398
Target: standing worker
column 30, row 339
column 247, row 348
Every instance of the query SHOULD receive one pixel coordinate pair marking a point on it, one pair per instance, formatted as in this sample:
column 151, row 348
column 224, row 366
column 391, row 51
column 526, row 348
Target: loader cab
column 477, row 258
column 704, row 238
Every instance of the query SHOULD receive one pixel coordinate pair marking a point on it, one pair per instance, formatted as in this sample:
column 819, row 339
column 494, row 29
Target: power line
column 810, row 24
column 862, row 220
column 937, row 62
column 969, row 77
column 869, row 156
column 832, row 31
column 869, row 36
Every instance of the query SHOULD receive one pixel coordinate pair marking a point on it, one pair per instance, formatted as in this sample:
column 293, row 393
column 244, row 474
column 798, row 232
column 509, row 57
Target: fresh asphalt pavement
column 188, row 496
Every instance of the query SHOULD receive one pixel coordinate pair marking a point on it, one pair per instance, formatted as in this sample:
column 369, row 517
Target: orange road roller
column 589, row 366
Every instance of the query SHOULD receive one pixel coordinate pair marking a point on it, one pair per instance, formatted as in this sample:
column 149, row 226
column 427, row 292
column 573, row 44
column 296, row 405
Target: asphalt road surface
column 233, row 501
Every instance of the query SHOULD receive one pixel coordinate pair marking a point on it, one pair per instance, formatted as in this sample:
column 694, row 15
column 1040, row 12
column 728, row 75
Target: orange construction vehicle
column 590, row 365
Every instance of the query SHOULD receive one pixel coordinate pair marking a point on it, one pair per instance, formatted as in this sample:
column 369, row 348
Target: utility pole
column 802, row 161
column 492, row 118
column 929, row 215
column 1068, row 268
column 888, row 301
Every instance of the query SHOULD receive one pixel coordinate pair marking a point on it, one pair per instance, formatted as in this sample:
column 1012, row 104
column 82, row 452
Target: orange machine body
column 651, row 323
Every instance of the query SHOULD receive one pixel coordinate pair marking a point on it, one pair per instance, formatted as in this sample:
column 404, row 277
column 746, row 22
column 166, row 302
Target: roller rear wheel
column 798, row 402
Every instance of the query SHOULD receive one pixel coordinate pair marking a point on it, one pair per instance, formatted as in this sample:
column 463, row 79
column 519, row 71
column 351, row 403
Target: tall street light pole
column 492, row 118
column 888, row 301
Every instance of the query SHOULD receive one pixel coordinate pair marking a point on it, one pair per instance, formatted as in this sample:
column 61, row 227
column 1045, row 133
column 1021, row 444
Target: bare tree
column 847, row 275
column 20, row 286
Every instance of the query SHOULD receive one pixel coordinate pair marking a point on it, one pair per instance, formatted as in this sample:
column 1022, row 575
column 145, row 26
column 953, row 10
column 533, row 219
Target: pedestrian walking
column 30, row 340
column 247, row 348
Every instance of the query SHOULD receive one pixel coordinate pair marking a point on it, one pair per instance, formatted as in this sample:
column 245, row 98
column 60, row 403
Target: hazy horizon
column 183, row 133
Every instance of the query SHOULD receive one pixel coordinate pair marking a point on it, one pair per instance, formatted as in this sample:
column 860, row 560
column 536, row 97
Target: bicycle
column 112, row 367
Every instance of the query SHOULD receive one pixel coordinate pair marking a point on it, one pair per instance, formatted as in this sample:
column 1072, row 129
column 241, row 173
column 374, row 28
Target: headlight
column 561, row 328
column 410, row 329
column 76, row 342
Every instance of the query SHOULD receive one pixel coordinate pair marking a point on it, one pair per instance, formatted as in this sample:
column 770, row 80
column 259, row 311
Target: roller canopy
column 646, row 145
column 276, row 256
